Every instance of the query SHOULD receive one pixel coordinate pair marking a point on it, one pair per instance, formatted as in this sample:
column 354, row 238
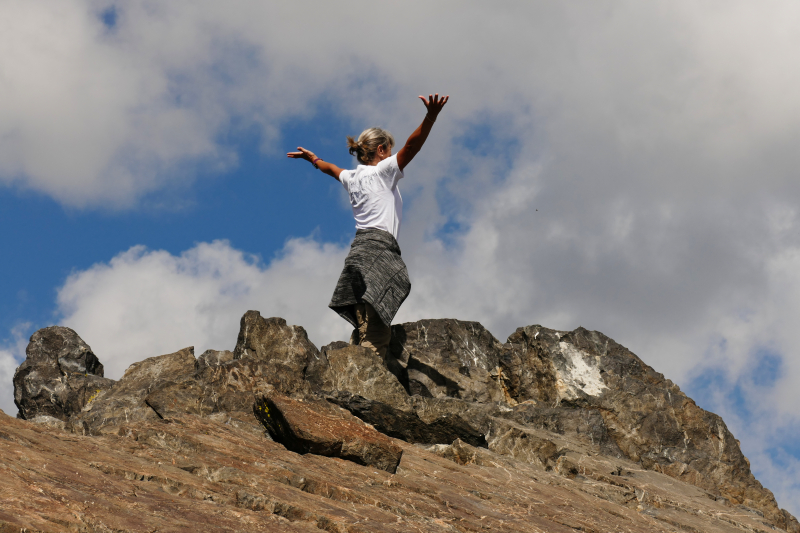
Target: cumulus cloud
column 12, row 353
column 145, row 303
column 8, row 364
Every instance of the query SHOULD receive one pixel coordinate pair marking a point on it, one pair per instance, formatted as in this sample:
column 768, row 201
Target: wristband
column 433, row 120
column 314, row 162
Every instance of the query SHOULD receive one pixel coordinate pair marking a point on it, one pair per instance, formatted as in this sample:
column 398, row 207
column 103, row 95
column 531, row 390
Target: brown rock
column 322, row 429
column 573, row 410
column 203, row 474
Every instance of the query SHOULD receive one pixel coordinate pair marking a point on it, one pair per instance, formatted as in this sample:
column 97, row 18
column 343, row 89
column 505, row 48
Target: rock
column 447, row 358
column 359, row 371
column 431, row 420
column 574, row 405
column 317, row 372
column 524, row 444
column 571, row 380
column 286, row 350
column 463, row 454
column 269, row 356
column 125, row 401
column 204, row 474
column 321, row 429
column 49, row 421
column 212, row 358
column 586, row 424
column 59, row 377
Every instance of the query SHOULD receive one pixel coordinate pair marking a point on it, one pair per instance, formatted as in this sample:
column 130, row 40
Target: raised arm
column 328, row 168
column 414, row 143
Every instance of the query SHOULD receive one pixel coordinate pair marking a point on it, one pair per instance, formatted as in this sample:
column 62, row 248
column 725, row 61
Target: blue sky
column 629, row 167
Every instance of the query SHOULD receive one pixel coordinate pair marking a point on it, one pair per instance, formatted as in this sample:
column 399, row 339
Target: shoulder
column 389, row 166
column 346, row 175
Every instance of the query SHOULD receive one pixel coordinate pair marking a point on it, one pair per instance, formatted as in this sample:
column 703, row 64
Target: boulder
column 59, row 376
column 359, row 371
column 447, row 358
column 285, row 349
column 524, row 444
column 319, row 428
column 317, row 372
column 463, row 454
column 125, row 401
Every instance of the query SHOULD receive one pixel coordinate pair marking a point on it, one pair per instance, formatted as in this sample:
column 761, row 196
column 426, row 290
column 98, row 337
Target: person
column 374, row 281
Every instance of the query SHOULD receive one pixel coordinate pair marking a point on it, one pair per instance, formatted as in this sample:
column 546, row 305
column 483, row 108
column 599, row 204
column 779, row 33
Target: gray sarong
column 374, row 273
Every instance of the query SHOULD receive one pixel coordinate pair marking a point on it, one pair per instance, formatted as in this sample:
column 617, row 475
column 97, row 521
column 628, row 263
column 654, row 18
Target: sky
column 629, row 167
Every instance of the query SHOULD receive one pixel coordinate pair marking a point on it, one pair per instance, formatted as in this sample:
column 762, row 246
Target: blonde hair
column 368, row 142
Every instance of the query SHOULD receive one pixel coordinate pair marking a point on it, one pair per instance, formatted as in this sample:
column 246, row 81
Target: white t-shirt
column 375, row 196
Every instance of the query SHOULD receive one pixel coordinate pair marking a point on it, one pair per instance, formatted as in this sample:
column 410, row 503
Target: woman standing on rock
column 374, row 281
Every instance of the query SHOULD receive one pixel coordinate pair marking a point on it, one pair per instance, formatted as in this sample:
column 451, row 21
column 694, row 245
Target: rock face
column 583, row 383
column 286, row 348
column 448, row 358
column 478, row 434
column 59, row 376
column 126, row 400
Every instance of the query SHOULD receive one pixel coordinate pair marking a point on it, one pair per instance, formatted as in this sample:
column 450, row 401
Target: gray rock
column 270, row 356
column 125, row 401
column 317, row 372
column 212, row 358
column 49, row 421
column 584, row 384
column 447, row 358
column 286, row 350
column 462, row 453
column 359, row 371
column 431, row 421
column 59, row 377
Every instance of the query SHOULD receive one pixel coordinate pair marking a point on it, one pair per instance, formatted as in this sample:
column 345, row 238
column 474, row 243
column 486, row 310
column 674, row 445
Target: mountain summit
column 453, row 430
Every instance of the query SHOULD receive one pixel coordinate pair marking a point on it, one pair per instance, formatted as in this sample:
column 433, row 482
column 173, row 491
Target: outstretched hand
column 434, row 104
column 308, row 155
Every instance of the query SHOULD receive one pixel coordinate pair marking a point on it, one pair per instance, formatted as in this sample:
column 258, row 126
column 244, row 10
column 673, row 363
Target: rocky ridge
column 451, row 431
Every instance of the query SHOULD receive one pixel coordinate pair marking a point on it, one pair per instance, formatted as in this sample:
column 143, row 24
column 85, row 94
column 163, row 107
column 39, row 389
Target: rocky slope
column 453, row 431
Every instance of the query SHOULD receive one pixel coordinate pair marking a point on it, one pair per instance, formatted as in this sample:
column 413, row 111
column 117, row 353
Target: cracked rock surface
column 452, row 431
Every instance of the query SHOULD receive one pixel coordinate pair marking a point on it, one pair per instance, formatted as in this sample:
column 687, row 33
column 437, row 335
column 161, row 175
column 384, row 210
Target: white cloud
column 8, row 364
column 145, row 303
column 12, row 353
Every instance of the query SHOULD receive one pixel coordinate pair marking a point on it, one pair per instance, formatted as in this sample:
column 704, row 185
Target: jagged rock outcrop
column 584, row 383
column 58, row 377
column 448, row 358
column 286, row 348
column 126, row 400
column 574, row 409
